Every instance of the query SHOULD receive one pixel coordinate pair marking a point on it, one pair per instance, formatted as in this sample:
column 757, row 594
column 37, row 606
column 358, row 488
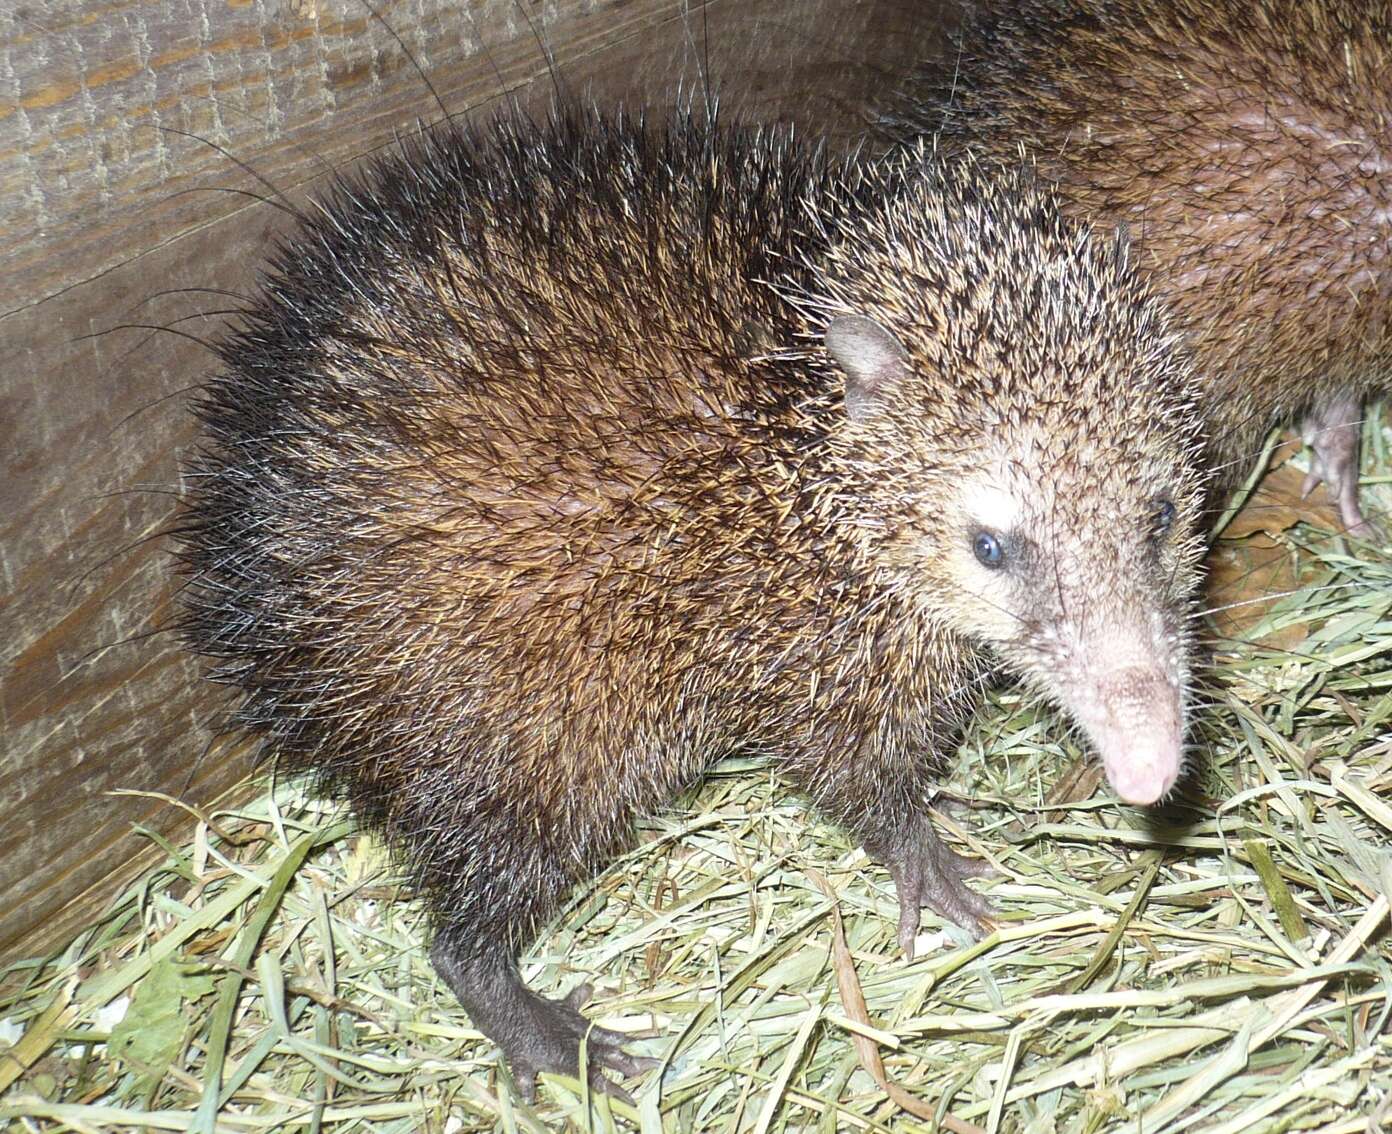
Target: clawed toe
column 1342, row 487
column 968, row 867
column 1332, row 431
column 601, row 1084
column 926, row 873
column 556, row 1043
column 536, row 1035
column 629, row 1066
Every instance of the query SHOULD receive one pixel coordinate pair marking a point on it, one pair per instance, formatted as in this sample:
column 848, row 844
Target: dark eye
column 988, row 549
column 1164, row 517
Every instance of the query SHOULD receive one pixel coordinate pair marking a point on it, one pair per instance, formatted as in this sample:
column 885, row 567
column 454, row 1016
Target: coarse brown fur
column 1247, row 144
column 506, row 530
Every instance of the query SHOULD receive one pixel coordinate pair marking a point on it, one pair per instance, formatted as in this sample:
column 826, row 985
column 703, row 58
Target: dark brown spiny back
column 505, row 531
column 1247, row 146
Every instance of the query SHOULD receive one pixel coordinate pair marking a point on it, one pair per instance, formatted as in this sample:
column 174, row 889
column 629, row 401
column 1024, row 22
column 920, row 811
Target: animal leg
column 880, row 796
column 536, row 1034
column 926, row 873
column 1333, row 430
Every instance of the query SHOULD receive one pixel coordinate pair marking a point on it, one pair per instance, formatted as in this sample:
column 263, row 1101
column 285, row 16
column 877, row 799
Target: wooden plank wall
column 126, row 127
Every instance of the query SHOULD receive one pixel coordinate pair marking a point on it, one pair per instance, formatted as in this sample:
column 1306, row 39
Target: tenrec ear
column 873, row 359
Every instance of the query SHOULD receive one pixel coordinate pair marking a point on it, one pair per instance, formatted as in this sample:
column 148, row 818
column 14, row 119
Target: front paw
column 1333, row 430
column 926, row 873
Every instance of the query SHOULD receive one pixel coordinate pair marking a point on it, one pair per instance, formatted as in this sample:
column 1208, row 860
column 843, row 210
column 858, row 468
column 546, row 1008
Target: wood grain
column 112, row 199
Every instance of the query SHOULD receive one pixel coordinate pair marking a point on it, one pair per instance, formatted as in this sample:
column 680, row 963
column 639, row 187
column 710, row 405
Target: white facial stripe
column 991, row 506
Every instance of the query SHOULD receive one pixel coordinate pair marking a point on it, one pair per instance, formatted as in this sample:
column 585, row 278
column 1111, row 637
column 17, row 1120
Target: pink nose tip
column 1142, row 778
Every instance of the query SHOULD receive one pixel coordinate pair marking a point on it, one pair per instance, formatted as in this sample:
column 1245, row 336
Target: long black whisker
column 280, row 201
column 401, row 43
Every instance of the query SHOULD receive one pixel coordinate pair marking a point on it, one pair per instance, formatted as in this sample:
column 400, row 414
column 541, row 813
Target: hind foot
column 534, row 1033
column 926, row 873
column 1333, row 430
